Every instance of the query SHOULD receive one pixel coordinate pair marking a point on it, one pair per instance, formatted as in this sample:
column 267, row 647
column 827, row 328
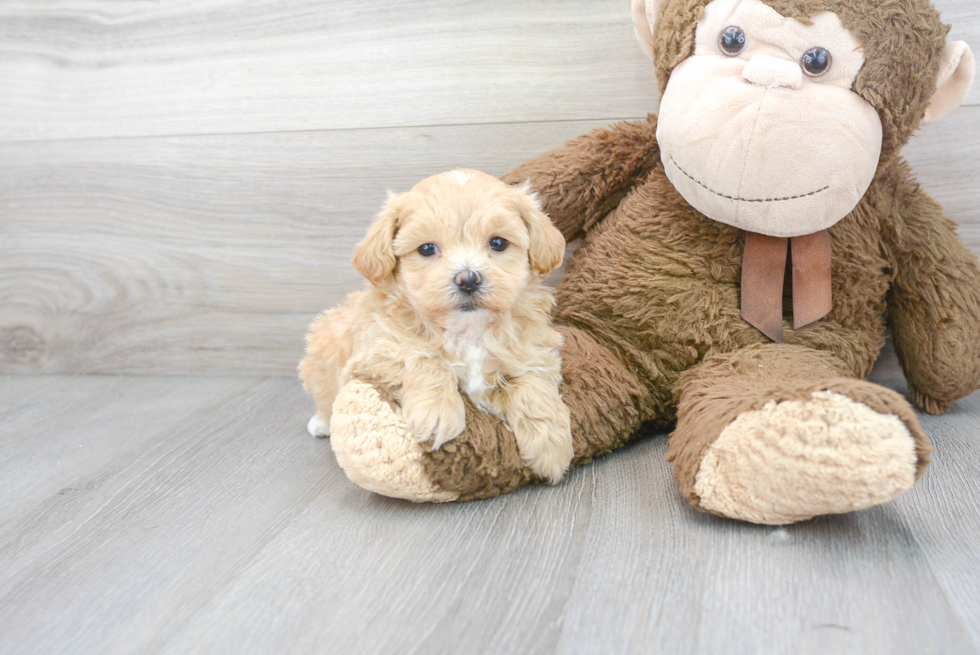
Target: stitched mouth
column 736, row 198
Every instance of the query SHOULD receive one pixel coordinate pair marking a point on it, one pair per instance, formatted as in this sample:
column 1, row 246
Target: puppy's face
column 460, row 243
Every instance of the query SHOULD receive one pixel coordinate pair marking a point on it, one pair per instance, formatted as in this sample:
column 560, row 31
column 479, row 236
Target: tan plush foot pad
column 375, row 450
column 797, row 459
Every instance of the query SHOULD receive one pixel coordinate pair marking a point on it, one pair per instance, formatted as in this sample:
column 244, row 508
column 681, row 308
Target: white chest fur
column 468, row 353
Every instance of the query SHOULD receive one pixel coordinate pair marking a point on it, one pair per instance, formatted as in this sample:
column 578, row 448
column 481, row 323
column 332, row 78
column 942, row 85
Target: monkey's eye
column 428, row 249
column 816, row 61
column 732, row 41
column 499, row 244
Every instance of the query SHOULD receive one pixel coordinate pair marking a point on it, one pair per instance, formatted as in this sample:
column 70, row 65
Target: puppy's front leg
column 431, row 405
column 541, row 424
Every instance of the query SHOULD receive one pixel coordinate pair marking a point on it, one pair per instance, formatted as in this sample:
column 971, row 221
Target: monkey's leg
column 605, row 398
column 773, row 434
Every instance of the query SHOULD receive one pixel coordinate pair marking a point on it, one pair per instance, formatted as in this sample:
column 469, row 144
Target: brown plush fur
column 650, row 304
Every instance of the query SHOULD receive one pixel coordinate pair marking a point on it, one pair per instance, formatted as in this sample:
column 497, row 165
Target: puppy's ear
column 547, row 247
column 374, row 256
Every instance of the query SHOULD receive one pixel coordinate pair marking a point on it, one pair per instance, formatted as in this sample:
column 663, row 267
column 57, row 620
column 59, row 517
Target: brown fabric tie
column 763, row 270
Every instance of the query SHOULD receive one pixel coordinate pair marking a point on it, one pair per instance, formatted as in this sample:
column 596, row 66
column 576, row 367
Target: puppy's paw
column 545, row 448
column 318, row 427
column 544, row 437
column 441, row 418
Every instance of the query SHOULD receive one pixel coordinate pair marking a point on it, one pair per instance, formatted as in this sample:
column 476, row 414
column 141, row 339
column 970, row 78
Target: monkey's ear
column 954, row 82
column 644, row 18
column 547, row 246
column 374, row 256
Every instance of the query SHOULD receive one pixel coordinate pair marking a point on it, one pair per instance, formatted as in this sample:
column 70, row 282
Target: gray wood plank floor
column 195, row 515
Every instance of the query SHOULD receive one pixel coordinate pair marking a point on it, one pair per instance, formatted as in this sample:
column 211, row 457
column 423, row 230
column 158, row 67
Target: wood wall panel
column 181, row 183
column 84, row 69
column 211, row 254
column 204, row 254
column 100, row 68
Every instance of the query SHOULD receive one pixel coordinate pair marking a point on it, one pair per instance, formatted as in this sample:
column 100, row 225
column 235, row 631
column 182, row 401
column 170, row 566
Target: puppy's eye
column 498, row 244
column 428, row 249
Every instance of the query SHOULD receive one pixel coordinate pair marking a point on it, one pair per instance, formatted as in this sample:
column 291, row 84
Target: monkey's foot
column 376, row 450
column 790, row 460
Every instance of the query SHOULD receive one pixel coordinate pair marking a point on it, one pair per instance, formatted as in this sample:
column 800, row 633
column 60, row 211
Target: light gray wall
column 181, row 183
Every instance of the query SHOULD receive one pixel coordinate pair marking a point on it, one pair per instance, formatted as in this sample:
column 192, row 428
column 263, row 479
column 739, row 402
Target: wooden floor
column 195, row 515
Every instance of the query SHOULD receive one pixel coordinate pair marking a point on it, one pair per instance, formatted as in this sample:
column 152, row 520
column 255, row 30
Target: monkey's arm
column 934, row 301
column 583, row 180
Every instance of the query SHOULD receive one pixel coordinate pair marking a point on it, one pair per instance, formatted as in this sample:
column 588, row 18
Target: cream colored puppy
column 455, row 302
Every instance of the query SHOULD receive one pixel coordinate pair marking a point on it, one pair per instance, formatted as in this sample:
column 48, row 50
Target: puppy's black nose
column 468, row 281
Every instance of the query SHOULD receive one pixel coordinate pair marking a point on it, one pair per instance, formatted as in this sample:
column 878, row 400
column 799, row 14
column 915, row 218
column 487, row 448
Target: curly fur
column 414, row 333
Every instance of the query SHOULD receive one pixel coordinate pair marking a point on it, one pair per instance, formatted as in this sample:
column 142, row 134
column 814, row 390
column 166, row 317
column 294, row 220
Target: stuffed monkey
column 743, row 254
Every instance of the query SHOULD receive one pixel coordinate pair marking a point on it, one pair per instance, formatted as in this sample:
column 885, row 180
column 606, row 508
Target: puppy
column 455, row 302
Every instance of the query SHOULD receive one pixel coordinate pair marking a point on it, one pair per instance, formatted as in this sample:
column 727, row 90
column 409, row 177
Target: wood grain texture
column 211, row 254
column 99, row 68
column 216, row 525
column 120, row 541
column 204, row 254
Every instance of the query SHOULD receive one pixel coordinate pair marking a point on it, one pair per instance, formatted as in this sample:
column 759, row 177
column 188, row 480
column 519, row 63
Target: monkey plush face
column 760, row 129
column 761, row 123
